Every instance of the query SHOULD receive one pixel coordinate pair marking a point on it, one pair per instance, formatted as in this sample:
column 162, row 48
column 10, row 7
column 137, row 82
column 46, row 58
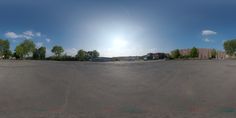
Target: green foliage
column 19, row 52
column 66, row 57
column 42, row 52
column 15, row 55
column 194, row 52
column 57, row 50
column 62, row 58
column 185, row 56
column 26, row 48
column 230, row 47
column 92, row 54
column 81, row 55
column 5, row 49
column 86, row 56
column 213, row 53
column 95, row 54
column 175, row 54
column 7, row 54
column 39, row 53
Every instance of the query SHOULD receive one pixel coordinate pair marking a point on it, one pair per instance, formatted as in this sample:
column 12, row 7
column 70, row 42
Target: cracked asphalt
column 157, row 89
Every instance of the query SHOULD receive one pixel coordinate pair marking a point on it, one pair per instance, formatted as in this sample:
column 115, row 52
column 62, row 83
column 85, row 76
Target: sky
column 119, row 27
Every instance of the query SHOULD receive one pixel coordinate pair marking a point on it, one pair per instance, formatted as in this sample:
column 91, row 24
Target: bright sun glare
column 119, row 42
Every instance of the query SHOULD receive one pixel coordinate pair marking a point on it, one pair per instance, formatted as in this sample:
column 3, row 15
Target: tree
column 89, row 55
column 19, row 52
column 213, row 53
column 194, row 52
column 7, row 54
column 175, row 54
column 36, row 54
column 85, row 56
column 95, row 54
column 40, row 53
column 5, row 49
column 92, row 54
column 15, row 55
column 81, row 55
column 230, row 47
column 57, row 50
column 26, row 48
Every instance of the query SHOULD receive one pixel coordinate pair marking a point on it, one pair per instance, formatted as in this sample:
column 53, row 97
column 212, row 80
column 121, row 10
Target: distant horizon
column 76, row 50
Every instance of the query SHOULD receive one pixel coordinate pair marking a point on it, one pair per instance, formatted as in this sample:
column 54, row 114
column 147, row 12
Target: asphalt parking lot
column 158, row 89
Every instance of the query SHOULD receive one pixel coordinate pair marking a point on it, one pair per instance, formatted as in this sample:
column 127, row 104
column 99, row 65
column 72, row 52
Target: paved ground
column 162, row 89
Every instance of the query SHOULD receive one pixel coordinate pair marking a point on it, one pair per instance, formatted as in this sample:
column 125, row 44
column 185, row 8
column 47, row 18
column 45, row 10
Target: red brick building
column 204, row 53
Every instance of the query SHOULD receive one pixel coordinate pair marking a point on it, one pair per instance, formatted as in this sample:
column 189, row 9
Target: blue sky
column 119, row 27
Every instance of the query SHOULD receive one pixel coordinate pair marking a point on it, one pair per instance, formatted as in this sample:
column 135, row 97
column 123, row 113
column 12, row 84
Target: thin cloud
column 71, row 51
column 14, row 35
column 38, row 34
column 48, row 52
column 208, row 33
column 48, row 40
column 11, row 35
column 28, row 33
column 39, row 44
column 223, row 41
column 206, row 40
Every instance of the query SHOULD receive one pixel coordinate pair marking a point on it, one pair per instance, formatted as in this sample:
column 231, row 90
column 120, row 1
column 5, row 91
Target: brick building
column 204, row 53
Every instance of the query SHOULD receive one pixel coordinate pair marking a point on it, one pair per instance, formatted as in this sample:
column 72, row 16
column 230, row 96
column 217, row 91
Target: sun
column 119, row 42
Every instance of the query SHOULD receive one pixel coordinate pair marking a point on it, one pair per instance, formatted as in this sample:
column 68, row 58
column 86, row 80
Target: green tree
column 7, row 54
column 26, row 48
column 175, row 54
column 96, row 54
column 19, row 52
column 40, row 53
column 36, row 54
column 57, row 50
column 92, row 54
column 81, row 55
column 15, row 55
column 5, row 49
column 194, row 52
column 213, row 53
column 230, row 47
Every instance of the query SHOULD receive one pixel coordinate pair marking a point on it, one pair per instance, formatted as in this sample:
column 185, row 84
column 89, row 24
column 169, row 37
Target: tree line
column 28, row 50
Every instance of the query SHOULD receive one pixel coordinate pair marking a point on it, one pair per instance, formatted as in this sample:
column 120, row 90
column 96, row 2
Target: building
column 221, row 55
column 185, row 52
column 204, row 53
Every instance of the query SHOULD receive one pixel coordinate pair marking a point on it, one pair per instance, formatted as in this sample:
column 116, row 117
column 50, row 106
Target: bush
column 175, row 54
column 194, row 52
